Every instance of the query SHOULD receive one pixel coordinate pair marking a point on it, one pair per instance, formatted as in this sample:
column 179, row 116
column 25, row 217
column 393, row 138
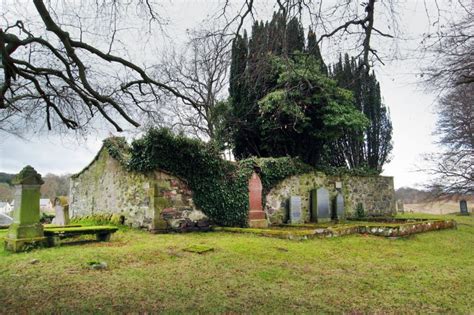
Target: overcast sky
column 411, row 109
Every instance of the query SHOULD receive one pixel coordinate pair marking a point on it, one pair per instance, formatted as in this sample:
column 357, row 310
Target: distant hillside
column 6, row 178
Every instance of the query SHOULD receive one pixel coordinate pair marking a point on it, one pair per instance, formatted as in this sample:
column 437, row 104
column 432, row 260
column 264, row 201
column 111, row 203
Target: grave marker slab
column 463, row 207
column 256, row 217
column 295, row 210
column 340, row 206
column 61, row 208
column 323, row 206
column 314, row 205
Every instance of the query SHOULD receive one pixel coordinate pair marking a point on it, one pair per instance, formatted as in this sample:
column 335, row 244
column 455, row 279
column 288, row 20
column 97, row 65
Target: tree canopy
column 285, row 102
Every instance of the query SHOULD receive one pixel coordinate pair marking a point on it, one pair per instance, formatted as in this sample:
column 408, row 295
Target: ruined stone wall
column 376, row 193
column 106, row 187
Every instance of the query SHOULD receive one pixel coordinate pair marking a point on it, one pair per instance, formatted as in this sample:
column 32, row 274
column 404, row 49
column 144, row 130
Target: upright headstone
column 400, row 206
column 256, row 217
column 295, row 210
column 5, row 220
column 463, row 207
column 322, row 203
column 61, row 208
column 339, row 206
column 313, row 198
column 26, row 231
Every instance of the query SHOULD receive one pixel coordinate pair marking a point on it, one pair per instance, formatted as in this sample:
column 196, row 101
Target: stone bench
column 55, row 234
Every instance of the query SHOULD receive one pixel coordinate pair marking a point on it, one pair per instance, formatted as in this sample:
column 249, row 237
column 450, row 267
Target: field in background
column 437, row 207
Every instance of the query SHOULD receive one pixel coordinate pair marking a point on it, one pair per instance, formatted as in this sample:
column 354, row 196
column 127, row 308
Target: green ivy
column 220, row 187
column 118, row 148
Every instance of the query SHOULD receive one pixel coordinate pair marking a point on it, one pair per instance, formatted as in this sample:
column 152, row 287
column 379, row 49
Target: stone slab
column 313, row 197
column 340, row 206
column 255, row 192
column 258, row 224
column 5, row 220
column 295, row 210
column 463, row 207
column 322, row 204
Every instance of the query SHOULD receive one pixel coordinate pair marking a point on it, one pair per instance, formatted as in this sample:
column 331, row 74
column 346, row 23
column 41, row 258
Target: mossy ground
column 428, row 272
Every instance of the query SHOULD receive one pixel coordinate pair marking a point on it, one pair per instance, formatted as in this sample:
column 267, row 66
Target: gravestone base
column 17, row 245
column 257, row 219
column 21, row 237
column 324, row 220
column 258, row 224
column 25, row 231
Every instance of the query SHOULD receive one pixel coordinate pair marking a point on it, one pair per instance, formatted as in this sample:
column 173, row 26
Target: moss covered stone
column 28, row 176
column 199, row 249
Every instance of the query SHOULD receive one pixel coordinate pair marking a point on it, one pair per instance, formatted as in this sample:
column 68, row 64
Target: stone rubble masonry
column 105, row 187
column 376, row 193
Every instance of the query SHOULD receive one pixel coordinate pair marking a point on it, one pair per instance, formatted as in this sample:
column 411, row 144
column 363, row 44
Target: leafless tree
column 51, row 71
column 450, row 50
column 362, row 22
column 451, row 76
column 200, row 72
column 68, row 80
column 453, row 169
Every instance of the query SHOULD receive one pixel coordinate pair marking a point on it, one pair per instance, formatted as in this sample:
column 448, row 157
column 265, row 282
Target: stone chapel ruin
column 158, row 201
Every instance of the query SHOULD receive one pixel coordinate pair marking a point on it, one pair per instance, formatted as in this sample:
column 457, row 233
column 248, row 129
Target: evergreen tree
column 372, row 147
column 313, row 49
column 294, row 36
column 274, row 114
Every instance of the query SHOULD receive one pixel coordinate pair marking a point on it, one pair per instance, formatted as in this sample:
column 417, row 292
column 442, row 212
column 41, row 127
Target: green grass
column 245, row 273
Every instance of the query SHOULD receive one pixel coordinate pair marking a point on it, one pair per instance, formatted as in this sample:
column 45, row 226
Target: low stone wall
column 309, row 231
column 105, row 187
column 375, row 193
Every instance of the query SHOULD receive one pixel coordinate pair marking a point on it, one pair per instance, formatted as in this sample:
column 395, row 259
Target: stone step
column 258, row 223
column 256, row 215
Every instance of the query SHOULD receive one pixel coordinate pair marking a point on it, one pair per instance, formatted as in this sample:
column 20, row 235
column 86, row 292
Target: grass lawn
column 429, row 272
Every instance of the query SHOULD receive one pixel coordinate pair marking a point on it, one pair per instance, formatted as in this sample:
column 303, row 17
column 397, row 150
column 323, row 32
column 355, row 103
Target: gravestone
column 256, row 217
column 400, row 206
column 26, row 231
column 463, row 207
column 313, row 196
column 5, row 220
column 61, row 208
column 295, row 210
column 322, row 204
column 339, row 206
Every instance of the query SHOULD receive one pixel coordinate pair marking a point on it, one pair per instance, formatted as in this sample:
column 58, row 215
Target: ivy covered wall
column 124, row 179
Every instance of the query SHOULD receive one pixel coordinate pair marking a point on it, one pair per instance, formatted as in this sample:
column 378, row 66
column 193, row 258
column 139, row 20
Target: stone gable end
column 106, row 188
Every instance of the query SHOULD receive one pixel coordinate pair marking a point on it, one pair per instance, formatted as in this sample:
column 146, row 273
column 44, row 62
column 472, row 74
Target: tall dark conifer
column 294, row 36
column 312, row 48
column 372, row 148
